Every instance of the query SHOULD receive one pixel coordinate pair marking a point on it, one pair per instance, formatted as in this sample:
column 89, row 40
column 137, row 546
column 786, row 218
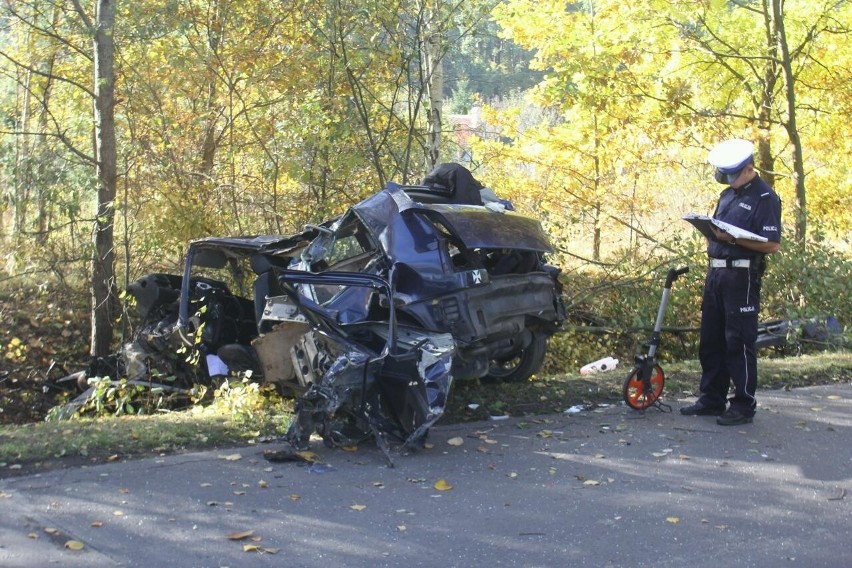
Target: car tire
column 520, row 367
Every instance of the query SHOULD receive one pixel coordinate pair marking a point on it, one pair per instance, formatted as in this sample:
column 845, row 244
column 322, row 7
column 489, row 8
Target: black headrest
column 458, row 179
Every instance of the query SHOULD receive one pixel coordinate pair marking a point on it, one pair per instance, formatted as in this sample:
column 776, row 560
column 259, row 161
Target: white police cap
column 731, row 155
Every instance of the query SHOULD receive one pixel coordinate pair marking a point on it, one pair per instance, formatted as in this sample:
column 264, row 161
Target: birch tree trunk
column 433, row 58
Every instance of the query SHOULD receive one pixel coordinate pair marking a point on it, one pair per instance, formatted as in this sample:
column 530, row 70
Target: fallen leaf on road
column 839, row 494
column 673, row 520
column 457, row 441
column 231, row 457
column 239, row 535
column 357, row 507
column 442, row 485
column 259, row 549
column 74, row 545
column 591, row 482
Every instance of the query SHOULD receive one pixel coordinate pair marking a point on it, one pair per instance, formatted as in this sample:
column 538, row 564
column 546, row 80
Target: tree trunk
column 104, row 299
column 764, row 107
column 42, row 197
column 23, row 169
column 790, row 123
column 434, row 85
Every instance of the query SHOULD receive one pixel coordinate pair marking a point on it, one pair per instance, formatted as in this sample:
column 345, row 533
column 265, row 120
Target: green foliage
column 612, row 310
column 112, row 397
column 462, row 99
column 807, row 280
column 480, row 61
column 241, row 400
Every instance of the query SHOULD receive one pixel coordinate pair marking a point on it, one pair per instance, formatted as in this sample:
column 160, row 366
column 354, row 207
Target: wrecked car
column 370, row 317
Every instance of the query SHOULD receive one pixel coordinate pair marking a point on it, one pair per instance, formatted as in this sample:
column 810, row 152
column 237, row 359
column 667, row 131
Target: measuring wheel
column 639, row 394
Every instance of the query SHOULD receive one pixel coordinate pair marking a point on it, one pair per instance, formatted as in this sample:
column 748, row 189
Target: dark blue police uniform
column 731, row 301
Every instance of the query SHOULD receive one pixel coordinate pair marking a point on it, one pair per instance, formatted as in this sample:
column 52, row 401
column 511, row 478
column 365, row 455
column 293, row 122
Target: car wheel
column 521, row 366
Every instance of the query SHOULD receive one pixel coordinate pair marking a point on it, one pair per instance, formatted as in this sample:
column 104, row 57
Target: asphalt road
column 603, row 487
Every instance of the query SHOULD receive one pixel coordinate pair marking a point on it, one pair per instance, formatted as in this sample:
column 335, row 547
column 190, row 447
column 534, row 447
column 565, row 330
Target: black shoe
column 734, row 418
column 700, row 409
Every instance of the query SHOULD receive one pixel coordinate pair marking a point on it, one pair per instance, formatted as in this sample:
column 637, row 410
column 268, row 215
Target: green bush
column 612, row 308
column 809, row 280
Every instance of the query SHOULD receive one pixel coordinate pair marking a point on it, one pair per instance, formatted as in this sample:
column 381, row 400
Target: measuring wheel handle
column 644, row 385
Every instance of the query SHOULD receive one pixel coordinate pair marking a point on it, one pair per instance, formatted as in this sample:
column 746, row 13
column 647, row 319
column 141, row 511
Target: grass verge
column 47, row 445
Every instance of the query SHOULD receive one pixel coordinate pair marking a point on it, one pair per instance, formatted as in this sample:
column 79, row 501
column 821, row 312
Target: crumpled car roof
column 476, row 226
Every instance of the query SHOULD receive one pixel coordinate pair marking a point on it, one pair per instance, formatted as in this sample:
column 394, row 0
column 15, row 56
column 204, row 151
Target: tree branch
column 40, row 73
column 87, row 22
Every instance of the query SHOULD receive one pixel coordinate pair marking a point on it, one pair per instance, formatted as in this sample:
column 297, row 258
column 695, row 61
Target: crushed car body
column 369, row 318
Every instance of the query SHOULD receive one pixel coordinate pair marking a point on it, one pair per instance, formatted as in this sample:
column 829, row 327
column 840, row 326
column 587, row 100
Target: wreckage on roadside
column 367, row 319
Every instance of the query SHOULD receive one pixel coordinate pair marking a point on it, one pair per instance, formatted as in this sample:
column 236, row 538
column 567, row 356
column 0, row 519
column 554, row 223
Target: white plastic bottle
column 601, row 365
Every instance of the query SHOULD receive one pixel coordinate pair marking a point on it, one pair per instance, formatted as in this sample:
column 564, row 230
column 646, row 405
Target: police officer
column 731, row 300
